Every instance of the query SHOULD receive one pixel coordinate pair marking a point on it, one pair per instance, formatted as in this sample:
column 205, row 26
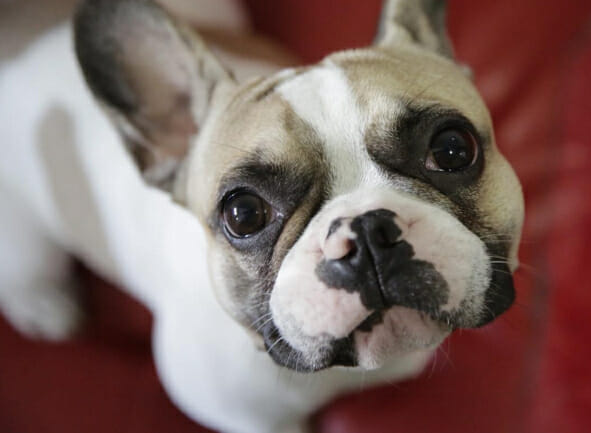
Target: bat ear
column 154, row 76
column 419, row 22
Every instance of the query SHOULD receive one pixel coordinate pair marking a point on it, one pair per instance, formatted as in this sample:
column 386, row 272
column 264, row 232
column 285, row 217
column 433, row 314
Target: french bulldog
column 306, row 229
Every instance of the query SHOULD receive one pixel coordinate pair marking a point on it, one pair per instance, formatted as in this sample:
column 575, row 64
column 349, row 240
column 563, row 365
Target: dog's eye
column 452, row 150
column 245, row 214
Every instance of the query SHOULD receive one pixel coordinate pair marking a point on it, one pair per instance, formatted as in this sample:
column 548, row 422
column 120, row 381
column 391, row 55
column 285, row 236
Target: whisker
column 262, row 326
column 433, row 365
column 279, row 340
column 264, row 316
column 442, row 350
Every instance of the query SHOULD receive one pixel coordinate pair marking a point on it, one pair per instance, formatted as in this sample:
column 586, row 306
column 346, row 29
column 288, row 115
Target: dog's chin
column 400, row 332
column 380, row 340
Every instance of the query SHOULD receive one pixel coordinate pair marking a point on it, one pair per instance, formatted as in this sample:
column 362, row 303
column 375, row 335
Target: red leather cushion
column 563, row 394
column 526, row 372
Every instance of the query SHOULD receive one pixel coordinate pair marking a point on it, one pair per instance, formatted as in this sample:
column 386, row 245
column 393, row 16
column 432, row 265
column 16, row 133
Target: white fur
column 65, row 166
column 66, row 169
column 323, row 98
column 306, row 311
column 402, row 331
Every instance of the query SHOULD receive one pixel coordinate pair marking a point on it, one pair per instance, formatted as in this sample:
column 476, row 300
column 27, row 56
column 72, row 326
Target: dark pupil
column 244, row 214
column 452, row 150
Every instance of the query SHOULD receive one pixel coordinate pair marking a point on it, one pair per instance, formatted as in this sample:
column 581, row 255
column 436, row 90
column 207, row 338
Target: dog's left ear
column 419, row 22
column 154, row 76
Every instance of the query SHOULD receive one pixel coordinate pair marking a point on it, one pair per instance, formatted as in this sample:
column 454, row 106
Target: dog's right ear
column 419, row 22
column 155, row 77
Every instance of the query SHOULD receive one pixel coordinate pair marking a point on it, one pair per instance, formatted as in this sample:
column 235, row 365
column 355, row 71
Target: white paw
column 48, row 312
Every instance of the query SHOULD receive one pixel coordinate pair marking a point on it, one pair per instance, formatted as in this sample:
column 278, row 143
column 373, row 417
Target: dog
column 336, row 221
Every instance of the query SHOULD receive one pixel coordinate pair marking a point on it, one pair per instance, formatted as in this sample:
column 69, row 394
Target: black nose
column 376, row 230
column 375, row 249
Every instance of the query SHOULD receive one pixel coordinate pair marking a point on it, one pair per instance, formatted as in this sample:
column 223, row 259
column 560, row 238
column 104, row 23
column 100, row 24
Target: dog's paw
column 48, row 311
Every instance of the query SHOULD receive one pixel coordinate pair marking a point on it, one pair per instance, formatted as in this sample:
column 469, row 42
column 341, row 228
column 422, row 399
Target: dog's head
column 357, row 210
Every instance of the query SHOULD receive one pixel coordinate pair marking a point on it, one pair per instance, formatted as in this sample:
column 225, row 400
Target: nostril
column 352, row 251
column 334, row 227
column 363, row 254
column 336, row 248
column 380, row 229
column 386, row 235
column 340, row 241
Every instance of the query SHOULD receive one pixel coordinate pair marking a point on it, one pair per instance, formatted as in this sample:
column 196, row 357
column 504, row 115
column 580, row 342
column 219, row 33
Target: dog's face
column 357, row 210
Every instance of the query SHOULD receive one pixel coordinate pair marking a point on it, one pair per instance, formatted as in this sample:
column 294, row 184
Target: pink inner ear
column 181, row 120
column 159, row 66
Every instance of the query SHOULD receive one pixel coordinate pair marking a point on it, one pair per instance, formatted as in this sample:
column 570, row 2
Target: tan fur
column 331, row 124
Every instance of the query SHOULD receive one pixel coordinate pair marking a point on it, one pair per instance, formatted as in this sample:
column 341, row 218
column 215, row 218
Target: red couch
column 527, row 372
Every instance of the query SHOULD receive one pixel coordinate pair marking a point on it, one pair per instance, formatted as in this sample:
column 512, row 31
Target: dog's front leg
column 37, row 294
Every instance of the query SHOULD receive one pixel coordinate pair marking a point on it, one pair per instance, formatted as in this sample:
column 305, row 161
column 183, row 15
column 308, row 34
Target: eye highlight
column 245, row 214
column 451, row 150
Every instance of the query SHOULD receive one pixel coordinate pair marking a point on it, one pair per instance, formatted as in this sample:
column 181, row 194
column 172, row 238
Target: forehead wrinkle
column 246, row 89
column 259, row 88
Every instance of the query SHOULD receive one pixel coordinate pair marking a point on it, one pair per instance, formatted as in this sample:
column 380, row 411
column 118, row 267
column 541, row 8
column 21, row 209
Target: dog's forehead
column 349, row 94
column 413, row 76
column 325, row 100
column 322, row 114
column 382, row 84
column 253, row 129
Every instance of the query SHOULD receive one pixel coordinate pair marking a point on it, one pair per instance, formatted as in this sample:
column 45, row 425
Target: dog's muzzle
column 379, row 265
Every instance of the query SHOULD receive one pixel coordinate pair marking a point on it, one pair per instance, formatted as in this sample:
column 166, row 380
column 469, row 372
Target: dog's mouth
column 405, row 324
column 386, row 292
column 380, row 336
column 339, row 352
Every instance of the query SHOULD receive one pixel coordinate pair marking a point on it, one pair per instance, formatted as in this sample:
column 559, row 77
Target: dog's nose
column 372, row 240
column 376, row 230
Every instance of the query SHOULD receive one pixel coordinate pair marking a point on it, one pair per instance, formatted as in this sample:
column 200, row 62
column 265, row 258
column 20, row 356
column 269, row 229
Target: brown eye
column 452, row 150
column 245, row 214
